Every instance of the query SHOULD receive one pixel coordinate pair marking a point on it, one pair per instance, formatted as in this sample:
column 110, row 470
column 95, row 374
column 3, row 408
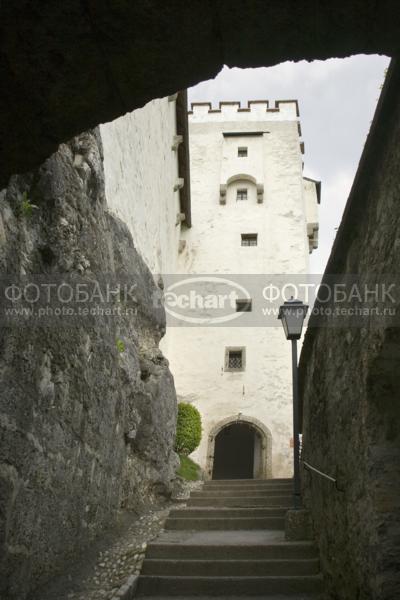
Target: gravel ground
column 103, row 568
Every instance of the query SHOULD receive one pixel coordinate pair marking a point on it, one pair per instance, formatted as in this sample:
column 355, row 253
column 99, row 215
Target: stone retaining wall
column 350, row 380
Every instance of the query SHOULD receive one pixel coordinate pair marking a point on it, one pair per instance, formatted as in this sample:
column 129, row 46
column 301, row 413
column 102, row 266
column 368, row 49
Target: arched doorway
column 234, row 452
column 239, row 448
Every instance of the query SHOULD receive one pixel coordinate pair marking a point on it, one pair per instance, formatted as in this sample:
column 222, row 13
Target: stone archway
column 264, row 469
column 131, row 55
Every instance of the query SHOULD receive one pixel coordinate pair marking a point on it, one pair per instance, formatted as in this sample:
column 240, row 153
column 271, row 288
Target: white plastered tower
column 253, row 212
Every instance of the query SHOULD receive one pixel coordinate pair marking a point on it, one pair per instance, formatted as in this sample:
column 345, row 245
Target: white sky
column 337, row 99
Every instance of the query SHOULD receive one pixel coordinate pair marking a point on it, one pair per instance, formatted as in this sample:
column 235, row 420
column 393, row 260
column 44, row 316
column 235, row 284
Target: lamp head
column 292, row 314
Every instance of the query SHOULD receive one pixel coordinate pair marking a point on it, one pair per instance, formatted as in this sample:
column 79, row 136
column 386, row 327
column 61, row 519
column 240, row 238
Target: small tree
column 188, row 429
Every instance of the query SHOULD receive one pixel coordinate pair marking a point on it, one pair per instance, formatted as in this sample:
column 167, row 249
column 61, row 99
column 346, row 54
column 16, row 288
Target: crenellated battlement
column 255, row 110
column 258, row 112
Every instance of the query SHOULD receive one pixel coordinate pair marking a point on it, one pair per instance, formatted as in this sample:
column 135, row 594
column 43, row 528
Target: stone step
column 211, row 493
column 248, row 483
column 233, row 488
column 211, row 512
column 242, row 482
column 230, row 597
column 239, row 586
column 223, row 568
column 239, row 551
column 224, row 523
column 240, row 501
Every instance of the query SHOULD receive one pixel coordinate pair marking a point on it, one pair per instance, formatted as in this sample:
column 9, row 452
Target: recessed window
column 249, row 239
column 235, row 359
column 241, row 194
column 244, row 305
column 242, row 151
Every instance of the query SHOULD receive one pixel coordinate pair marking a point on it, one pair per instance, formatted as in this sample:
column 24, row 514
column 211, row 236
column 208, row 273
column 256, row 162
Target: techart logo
column 204, row 300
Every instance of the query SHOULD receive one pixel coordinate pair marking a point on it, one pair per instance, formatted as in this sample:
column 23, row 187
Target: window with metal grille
column 242, row 151
column 241, row 194
column 235, row 359
column 249, row 239
column 243, row 305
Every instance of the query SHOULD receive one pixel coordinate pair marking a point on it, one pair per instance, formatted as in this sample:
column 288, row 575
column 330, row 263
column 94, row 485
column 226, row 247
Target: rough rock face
column 67, row 66
column 350, row 372
column 87, row 409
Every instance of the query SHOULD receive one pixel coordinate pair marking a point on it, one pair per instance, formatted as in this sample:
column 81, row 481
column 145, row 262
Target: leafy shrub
column 188, row 429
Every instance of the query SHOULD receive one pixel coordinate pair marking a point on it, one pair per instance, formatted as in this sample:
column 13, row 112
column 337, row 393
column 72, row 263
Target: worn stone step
column 211, row 493
column 224, row 523
column 242, row 482
column 232, row 483
column 286, row 488
column 240, row 501
column 211, row 512
column 222, row 568
column 239, row 551
column 230, row 597
column 238, row 586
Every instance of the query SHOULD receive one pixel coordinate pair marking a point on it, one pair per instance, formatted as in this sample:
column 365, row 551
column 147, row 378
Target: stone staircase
column 228, row 541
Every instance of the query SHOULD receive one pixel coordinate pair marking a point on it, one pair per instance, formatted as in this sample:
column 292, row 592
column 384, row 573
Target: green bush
column 188, row 429
column 188, row 469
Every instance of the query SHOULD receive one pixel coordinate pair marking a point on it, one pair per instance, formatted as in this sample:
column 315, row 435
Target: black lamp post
column 292, row 314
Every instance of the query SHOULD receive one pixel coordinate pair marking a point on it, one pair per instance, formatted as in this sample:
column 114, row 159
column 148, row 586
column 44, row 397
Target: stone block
column 298, row 525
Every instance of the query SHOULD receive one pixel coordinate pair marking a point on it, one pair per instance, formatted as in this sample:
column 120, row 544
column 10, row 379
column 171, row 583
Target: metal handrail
column 322, row 474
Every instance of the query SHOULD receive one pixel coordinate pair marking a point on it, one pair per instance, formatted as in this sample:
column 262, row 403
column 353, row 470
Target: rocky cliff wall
column 350, row 375
column 87, row 407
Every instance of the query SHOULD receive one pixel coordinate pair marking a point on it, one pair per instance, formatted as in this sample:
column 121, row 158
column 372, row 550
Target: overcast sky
column 337, row 99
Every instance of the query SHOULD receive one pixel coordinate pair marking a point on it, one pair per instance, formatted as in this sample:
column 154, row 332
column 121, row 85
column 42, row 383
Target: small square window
column 235, row 359
column 249, row 239
column 241, row 194
column 244, row 305
column 242, row 151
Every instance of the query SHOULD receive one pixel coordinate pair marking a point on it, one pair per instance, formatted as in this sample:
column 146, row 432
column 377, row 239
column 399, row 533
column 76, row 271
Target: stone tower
column 253, row 213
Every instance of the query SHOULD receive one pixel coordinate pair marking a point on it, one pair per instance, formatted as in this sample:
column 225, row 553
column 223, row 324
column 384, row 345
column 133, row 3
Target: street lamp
column 292, row 314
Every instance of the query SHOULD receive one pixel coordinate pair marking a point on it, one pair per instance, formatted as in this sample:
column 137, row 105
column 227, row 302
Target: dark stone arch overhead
column 67, row 66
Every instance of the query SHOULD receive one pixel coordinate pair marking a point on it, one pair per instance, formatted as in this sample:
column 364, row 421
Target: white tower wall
column 277, row 209
column 141, row 173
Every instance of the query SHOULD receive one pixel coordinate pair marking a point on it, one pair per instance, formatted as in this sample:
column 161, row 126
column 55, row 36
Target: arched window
column 241, row 187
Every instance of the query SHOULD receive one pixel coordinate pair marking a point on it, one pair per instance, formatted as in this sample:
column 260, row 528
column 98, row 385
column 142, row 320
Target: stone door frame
column 260, row 428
